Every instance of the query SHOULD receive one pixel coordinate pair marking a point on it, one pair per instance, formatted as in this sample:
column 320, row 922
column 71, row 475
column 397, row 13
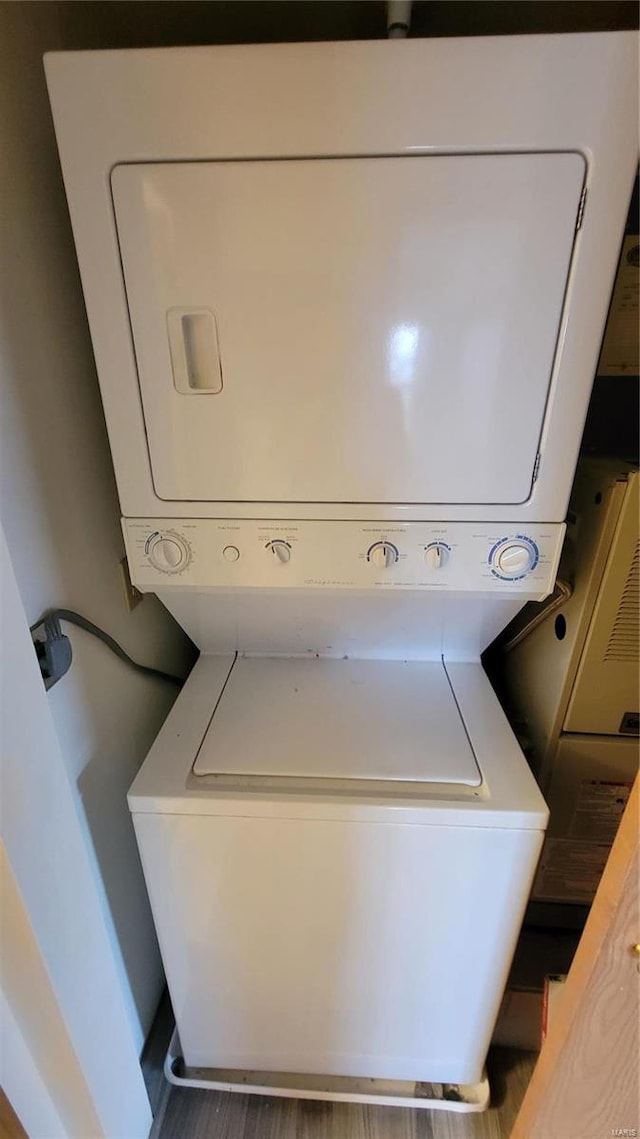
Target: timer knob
column 436, row 555
column 281, row 551
column 168, row 553
column 514, row 558
column 382, row 555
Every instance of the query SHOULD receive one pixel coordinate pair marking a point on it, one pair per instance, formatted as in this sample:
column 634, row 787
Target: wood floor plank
column 267, row 1116
column 195, row 1114
column 355, row 1120
column 192, row 1113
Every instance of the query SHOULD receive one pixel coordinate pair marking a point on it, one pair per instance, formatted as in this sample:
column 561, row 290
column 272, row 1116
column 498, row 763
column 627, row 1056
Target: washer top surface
column 339, row 719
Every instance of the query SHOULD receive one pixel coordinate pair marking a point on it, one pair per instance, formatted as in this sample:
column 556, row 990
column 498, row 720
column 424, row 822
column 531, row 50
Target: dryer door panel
column 347, row 330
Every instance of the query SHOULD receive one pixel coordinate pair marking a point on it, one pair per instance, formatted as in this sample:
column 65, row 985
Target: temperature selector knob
column 437, row 555
column 169, row 553
column 513, row 557
column 382, row 555
column 280, row 550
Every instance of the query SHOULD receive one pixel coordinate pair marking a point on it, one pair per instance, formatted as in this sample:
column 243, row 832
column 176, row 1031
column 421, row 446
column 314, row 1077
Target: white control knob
column 281, row 551
column 382, row 555
column 169, row 554
column 437, row 555
column 231, row 553
column 514, row 559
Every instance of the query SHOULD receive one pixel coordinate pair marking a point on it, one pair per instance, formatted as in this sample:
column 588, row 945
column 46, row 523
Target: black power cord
column 55, row 615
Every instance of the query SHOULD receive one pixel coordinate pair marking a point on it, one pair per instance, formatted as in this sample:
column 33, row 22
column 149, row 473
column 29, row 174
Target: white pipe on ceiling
column 398, row 18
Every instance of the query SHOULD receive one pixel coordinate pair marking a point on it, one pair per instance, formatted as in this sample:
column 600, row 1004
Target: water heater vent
column 623, row 641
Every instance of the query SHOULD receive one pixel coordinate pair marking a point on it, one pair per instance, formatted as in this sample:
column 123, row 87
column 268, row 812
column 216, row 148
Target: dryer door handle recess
column 195, row 356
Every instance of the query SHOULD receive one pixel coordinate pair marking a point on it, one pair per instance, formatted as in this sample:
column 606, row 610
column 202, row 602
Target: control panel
column 461, row 557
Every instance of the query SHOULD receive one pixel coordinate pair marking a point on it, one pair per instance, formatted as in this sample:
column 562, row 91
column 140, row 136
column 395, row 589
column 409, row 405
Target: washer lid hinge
column 536, row 467
column 583, row 199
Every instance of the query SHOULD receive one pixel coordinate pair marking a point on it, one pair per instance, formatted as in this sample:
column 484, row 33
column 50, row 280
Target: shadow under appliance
column 345, row 319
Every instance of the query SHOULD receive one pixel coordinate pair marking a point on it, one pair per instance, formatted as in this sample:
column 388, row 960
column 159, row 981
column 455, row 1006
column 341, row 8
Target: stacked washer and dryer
column 346, row 303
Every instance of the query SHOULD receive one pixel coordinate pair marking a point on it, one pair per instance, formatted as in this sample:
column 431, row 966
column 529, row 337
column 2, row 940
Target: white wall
column 78, row 1058
column 19, row 1075
column 34, row 1034
column 58, row 502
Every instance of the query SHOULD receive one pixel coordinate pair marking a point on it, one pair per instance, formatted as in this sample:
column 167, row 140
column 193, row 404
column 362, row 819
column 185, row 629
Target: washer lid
column 340, row 719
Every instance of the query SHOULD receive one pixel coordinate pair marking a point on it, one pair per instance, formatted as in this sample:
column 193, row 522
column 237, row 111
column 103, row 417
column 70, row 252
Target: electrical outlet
column 53, row 650
column 132, row 595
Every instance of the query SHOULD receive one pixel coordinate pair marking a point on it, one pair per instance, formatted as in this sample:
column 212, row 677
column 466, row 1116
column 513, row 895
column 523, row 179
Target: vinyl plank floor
column 190, row 1113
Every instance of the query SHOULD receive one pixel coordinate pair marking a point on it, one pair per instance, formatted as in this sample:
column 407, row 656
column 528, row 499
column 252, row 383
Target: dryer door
column 347, row 330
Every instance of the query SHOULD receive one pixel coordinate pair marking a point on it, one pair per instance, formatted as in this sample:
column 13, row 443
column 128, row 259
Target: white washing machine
column 338, row 880
column 346, row 303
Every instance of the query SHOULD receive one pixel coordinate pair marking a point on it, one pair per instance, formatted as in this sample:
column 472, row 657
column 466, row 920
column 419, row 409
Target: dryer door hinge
column 583, row 199
column 536, row 467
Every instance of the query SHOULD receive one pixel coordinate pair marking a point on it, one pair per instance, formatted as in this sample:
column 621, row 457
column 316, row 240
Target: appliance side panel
column 601, row 764
column 590, row 784
column 539, row 672
column 605, row 693
column 329, row 936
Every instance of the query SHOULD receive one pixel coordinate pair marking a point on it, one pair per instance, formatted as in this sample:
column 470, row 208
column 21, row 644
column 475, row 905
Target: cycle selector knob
column 280, row 551
column 513, row 558
column 382, row 555
column 436, row 555
column 168, row 553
